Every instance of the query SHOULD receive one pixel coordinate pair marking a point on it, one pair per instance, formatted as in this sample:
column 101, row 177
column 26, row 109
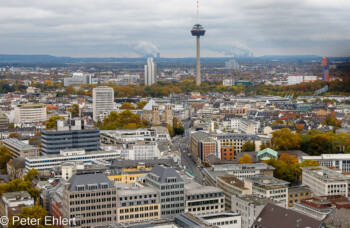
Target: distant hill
column 4, row 58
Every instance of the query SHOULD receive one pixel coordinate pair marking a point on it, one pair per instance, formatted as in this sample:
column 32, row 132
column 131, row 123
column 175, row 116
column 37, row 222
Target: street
column 182, row 145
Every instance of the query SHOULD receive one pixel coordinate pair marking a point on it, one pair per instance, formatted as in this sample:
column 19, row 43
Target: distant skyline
column 121, row 28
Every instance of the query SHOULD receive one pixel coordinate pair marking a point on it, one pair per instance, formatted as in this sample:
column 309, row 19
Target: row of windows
column 124, row 204
column 201, row 196
column 137, row 197
column 93, row 207
column 225, row 223
column 126, row 217
column 99, row 200
column 204, row 208
column 131, row 210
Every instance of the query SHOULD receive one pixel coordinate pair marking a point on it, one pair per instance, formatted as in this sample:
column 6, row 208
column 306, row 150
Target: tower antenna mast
column 197, row 11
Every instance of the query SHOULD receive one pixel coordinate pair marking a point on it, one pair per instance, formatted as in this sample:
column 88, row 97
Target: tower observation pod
column 198, row 31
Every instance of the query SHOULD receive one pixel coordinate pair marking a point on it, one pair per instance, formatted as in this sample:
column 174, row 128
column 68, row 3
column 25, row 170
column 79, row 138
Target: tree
column 320, row 144
column 299, row 127
column 265, row 145
column 141, row 104
column 178, row 128
column 36, row 213
column 69, row 90
column 288, row 159
column 52, row 122
column 15, row 168
column 289, row 172
column 284, row 139
column 14, row 135
column 20, row 185
column 124, row 120
column 5, row 156
column 248, row 146
column 75, row 110
column 170, row 130
column 246, row 159
column 31, row 175
column 307, row 163
column 331, row 121
column 127, row 105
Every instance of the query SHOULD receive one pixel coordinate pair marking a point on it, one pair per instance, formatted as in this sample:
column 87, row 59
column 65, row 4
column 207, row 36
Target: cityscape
column 175, row 114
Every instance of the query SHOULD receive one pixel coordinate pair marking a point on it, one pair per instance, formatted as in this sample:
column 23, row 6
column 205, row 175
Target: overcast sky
column 130, row 28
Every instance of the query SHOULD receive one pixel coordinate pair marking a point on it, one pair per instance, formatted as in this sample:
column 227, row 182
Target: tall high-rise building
column 102, row 102
column 150, row 72
column 198, row 31
column 325, row 70
column 232, row 65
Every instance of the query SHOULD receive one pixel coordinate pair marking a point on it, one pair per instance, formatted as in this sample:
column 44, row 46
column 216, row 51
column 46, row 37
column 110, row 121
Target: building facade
column 323, row 181
column 102, row 102
column 203, row 199
column 150, row 72
column 339, row 161
column 72, row 134
column 138, row 204
column 171, row 190
column 19, row 148
column 30, row 113
column 91, row 199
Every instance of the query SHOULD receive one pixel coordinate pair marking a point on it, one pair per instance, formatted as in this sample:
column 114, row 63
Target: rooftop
column 324, row 173
column 267, row 182
column 162, row 174
column 89, row 182
column 286, row 218
column 256, row 200
column 234, row 181
column 18, row 144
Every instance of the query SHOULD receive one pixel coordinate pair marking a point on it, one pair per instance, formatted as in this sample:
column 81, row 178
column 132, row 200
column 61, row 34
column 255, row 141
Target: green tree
column 178, row 128
column 141, row 104
column 331, row 121
column 245, row 159
column 309, row 163
column 31, row 175
column 69, row 90
column 127, row 105
column 171, row 130
column 75, row 110
column 36, row 212
column 284, row 139
column 52, row 122
column 248, row 146
column 123, row 120
column 320, row 144
column 5, row 156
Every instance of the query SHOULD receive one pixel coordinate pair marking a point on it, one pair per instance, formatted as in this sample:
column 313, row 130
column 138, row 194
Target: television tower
column 198, row 31
column 325, row 70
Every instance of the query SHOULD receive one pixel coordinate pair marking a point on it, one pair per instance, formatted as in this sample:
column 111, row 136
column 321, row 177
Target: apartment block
column 137, row 204
column 324, row 181
column 298, row 193
column 171, row 190
column 268, row 187
column 231, row 185
column 201, row 145
column 91, row 199
column 203, row 199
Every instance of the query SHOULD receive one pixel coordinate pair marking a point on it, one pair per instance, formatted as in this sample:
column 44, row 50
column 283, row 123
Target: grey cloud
column 126, row 28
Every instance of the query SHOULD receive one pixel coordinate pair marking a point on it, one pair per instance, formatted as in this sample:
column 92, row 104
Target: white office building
column 296, row 79
column 25, row 113
column 324, row 181
column 339, row 161
column 150, row 72
column 102, row 102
